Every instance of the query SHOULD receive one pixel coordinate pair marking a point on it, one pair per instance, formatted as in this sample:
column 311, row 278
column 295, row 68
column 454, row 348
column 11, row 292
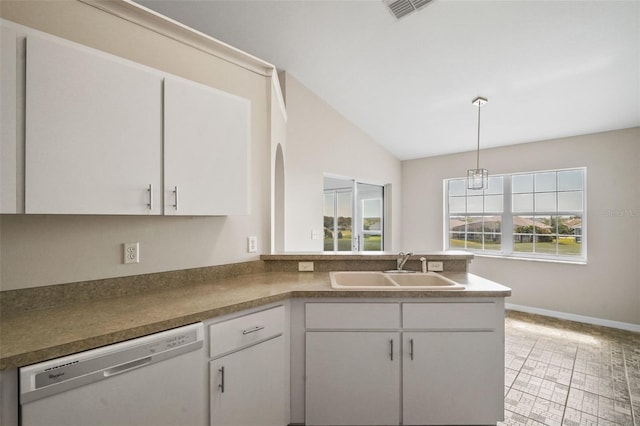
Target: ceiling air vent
column 401, row 8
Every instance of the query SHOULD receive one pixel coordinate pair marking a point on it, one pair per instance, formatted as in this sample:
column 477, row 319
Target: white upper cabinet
column 93, row 132
column 206, row 148
column 11, row 148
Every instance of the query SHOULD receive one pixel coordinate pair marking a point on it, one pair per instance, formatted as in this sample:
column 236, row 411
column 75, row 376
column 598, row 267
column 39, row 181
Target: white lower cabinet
column 248, row 370
column 247, row 386
column 416, row 364
column 353, row 378
column 451, row 378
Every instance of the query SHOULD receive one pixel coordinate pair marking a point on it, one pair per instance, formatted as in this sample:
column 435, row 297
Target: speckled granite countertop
column 38, row 335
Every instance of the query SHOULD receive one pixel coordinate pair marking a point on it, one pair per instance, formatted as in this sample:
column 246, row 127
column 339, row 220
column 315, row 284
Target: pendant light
column 478, row 178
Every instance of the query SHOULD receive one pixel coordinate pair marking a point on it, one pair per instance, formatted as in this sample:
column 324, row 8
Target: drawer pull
column 253, row 329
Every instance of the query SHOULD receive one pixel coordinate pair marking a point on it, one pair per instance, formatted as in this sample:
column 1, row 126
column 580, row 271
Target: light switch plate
column 252, row 244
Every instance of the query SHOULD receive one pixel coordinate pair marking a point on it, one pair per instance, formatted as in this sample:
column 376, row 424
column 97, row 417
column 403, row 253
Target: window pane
column 474, row 204
column 492, row 241
column 523, row 234
column 570, row 236
column 522, row 203
column 545, row 182
column 457, row 187
column 570, row 180
column 492, row 232
column 521, row 183
column 457, row 205
column 570, row 201
column 457, row 223
column 456, row 241
column 545, row 235
column 545, row 202
column 457, row 231
column 475, row 192
column 372, row 242
column 492, row 224
column 493, row 203
column 344, row 221
column 495, row 185
column 474, row 232
column 329, row 198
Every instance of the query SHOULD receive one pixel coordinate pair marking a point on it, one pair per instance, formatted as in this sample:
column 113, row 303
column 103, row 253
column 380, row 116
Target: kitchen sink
column 365, row 280
column 358, row 279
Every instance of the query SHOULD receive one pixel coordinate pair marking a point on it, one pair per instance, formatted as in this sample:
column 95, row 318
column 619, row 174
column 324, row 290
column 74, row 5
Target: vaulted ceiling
column 549, row 69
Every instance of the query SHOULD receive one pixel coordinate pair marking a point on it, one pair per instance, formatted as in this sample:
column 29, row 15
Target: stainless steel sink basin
column 361, row 280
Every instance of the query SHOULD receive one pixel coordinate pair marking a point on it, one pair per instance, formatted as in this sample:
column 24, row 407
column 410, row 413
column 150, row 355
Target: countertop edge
column 27, row 357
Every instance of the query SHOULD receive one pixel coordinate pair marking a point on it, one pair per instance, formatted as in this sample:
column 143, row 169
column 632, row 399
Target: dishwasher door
column 153, row 380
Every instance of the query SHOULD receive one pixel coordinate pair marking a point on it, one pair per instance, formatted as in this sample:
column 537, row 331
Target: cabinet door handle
column 391, row 351
column 253, row 329
column 175, row 193
column 411, row 349
column 221, row 385
column 150, row 191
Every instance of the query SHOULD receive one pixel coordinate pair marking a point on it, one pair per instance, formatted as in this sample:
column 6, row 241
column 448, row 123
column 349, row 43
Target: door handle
column 391, row 349
column 175, row 193
column 221, row 385
column 411, row 349
column 150, row 191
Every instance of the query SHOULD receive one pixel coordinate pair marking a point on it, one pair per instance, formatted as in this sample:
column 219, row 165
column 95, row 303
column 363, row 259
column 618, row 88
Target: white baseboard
column 573, row 317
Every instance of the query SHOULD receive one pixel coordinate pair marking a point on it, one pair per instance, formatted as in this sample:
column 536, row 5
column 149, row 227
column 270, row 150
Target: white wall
column 608, row 286
column 319, row 141
column 42, row 250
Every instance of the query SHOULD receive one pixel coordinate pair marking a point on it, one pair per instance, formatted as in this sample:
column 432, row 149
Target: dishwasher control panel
column 101, row 363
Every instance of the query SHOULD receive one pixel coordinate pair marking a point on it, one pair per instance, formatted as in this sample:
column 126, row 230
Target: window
column 536, row 214
column 353, row 216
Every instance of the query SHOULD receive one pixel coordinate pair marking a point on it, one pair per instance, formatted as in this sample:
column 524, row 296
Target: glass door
column 370, row 209
column 353, row 215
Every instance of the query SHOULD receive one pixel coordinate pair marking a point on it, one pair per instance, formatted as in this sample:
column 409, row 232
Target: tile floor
column 566, row 373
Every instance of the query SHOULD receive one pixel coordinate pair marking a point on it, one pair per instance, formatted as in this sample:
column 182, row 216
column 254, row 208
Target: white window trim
column 506, row 251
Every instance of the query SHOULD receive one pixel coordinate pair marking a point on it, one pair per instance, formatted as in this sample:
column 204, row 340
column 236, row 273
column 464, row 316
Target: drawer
column 447, row 316
column 237, row 333
column 343, row 316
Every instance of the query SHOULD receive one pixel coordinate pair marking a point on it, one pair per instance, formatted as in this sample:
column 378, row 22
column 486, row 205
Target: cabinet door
column 452, row 378
column 248, row 386
column 206, row 146
column 11, row 182
column 93, row 132
column 352, row 378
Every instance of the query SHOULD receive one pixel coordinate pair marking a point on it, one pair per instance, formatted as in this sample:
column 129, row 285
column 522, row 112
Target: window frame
column 507, row 230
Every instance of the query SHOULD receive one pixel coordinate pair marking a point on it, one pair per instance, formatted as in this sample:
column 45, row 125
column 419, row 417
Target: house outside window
column 535, row 215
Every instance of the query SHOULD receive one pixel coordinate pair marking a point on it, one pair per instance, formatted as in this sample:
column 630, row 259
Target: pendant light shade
column 478, row 178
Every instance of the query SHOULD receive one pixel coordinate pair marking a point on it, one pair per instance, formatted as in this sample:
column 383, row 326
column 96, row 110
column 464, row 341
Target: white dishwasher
column 153, row 380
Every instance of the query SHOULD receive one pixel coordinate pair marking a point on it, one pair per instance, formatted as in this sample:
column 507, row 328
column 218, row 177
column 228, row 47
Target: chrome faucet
column 402, row 259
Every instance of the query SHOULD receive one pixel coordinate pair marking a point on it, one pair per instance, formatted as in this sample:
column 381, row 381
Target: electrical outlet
column 131, row 253
column 305, row 266
column 315, row 234
column 252, row 244
column 434, row 266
